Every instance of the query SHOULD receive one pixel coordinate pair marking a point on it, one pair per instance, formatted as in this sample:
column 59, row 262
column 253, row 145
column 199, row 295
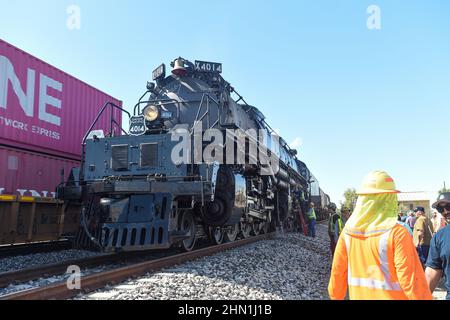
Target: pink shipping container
column 31, row 174
column 45, row 110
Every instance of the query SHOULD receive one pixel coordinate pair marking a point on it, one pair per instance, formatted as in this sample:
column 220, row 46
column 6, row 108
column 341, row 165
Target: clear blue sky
column 359, row 99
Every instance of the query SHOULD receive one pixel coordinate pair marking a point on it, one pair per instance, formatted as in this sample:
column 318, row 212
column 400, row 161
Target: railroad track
column 24, row 275
column 29, row 248
column 59, row 291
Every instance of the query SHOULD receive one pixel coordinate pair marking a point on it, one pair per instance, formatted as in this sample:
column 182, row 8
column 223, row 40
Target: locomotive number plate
column 205, row 66
column 137, row 126
column 160, row 72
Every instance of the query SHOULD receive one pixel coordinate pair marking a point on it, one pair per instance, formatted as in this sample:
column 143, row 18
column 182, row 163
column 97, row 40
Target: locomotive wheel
column 232, row 233
column 257, row 228
column 266, row 227
column 187, row 224
column 217, row 235
column 246, row 229
column 218, row 212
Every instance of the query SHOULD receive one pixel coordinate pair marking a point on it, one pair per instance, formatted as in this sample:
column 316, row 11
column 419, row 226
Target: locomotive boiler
column 197, row 162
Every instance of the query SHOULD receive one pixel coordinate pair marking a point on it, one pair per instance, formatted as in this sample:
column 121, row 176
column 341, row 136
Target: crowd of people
column 381, row 254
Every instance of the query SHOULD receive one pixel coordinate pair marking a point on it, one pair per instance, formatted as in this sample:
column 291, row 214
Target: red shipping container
column 31, row 174
column 44, row 109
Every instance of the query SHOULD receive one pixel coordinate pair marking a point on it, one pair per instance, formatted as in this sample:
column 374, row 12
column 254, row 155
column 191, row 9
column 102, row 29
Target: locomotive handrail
column 198, row 118
column 112, row 122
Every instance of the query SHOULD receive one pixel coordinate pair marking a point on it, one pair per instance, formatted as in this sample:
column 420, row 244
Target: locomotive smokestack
column 179, row 68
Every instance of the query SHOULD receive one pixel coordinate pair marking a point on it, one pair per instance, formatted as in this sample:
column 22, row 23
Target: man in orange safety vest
column 375, row 257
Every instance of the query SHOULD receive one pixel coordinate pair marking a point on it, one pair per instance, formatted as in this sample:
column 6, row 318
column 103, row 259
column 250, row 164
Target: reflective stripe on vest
column 387, row 284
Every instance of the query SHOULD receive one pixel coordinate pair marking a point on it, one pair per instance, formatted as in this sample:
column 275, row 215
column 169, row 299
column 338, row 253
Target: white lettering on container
column 45, row 99
column 26, row 99
column 34, row 193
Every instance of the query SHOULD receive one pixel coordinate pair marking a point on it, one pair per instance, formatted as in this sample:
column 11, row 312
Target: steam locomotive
column 198, row 162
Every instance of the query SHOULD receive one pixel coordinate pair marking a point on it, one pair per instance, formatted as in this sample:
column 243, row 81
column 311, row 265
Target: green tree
column 350, row 199
column 443, row 190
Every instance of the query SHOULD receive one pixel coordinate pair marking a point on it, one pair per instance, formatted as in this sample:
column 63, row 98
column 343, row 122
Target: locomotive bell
column 178, row 68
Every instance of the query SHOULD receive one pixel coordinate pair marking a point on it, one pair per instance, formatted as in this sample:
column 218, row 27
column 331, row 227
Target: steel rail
column 23, row 275
column 60, row 291
column 36, row 247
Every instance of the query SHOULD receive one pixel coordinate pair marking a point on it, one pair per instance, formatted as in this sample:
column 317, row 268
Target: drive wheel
column 266, row 227
column 217, row 235
column 217, row 213
column 232, row 233
column 246, row 229
column 187, row 224
column 257, row 228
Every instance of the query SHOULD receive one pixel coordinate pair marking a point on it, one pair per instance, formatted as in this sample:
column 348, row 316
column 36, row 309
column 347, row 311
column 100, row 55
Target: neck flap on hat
column 374, row 214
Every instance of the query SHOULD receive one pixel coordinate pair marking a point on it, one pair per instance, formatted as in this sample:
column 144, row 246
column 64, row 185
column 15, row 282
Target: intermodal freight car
column 44, row 114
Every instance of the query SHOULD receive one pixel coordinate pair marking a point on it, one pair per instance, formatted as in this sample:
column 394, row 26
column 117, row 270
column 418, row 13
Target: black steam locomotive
column 198, row 162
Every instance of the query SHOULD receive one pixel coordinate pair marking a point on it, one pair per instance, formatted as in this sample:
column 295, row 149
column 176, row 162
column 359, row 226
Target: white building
column 410, row 200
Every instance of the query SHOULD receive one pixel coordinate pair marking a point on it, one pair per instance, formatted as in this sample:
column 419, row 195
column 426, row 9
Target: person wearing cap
column 438, row 263
column 375, row 257
column 422, row 234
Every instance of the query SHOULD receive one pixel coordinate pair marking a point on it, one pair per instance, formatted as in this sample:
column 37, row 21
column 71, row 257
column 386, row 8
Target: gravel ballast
column 290, row 267
column 39, row 259
column 18, row 263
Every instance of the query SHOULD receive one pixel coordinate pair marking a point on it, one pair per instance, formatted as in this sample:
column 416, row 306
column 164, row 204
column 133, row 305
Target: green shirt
column 311, row 214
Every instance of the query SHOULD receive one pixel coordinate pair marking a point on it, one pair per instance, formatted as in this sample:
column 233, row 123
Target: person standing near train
column 311, row 216
column 422, row 232
column 336, row 224
column 375, row 257
column 438, row 263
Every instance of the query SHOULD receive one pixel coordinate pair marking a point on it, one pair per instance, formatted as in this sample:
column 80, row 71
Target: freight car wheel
column 187, row 224
column 232, row 233
column 217, row 235
column 246, row 229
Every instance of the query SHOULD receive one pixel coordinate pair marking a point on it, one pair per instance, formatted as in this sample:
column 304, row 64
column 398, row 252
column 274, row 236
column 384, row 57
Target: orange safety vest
column 383, row 267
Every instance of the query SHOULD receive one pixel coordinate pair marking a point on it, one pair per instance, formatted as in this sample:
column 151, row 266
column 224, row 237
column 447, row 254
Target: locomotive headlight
column 151, row 113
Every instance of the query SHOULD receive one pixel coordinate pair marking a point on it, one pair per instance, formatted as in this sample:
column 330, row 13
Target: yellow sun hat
column 377, row 182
